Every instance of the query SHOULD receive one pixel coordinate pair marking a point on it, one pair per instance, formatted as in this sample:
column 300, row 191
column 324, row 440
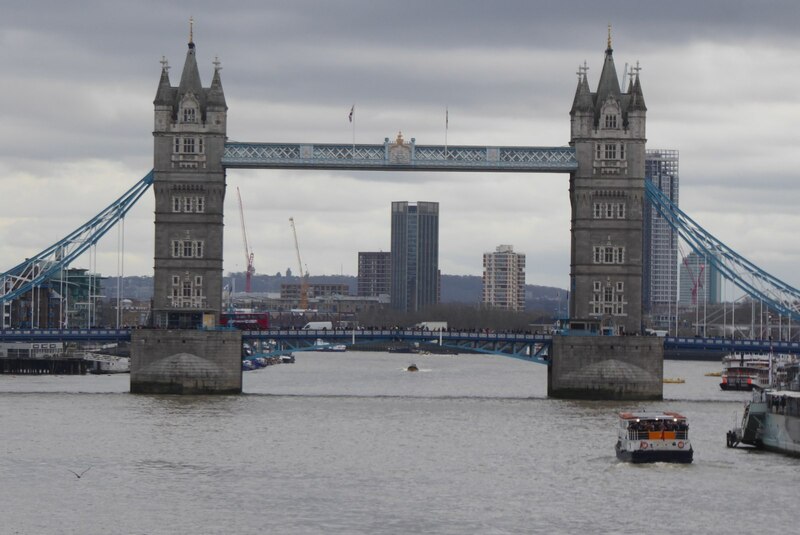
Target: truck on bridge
column 432, row 325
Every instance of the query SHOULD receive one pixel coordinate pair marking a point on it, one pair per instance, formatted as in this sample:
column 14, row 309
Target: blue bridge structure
column 523, row 346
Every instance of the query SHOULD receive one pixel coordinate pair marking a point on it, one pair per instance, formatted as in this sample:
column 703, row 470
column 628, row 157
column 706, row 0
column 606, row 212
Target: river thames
column 350, row 443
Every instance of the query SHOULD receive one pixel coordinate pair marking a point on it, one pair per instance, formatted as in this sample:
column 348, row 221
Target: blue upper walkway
column 399, row 156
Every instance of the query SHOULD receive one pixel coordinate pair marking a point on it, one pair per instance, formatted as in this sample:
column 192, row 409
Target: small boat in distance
column 674, row 380
column 412, row 368
column 322, row 345
column 653, row 437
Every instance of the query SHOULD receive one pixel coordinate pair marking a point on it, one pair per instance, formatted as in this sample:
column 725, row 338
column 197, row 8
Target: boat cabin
column 653, row 426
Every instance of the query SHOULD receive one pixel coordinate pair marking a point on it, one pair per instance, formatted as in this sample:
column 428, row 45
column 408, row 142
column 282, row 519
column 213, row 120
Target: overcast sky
column 720, row 79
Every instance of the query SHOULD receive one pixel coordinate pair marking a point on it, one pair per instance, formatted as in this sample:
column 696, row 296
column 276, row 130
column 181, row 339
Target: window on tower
column 611, row 120
column 608, row 299
column 189, row 115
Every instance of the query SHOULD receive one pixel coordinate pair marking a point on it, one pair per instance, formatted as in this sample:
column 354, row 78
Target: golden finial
column 191, row 30
column 609, row 35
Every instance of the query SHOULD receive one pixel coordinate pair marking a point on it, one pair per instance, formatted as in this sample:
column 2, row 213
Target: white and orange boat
column 653, row 437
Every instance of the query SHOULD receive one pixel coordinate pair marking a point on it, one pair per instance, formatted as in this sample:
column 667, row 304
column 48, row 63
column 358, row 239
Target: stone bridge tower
column 606, row 194
column 189, row 185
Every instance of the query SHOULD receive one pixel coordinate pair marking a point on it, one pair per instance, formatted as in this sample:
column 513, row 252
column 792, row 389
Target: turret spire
column 191, row 32
column 609, row 36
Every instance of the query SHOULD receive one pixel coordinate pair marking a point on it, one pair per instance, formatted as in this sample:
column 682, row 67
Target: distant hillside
column 464, row 289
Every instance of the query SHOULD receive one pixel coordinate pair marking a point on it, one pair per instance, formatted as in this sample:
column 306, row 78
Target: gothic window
column 598, row 151
column 200, row 205
column 176, row 280
column 611, row 121
column 598, row 210
column 622, row 151
column 187, row 249
column 188, row 145
column 177, row 144
column 200, row 145
column 608, row 299
column 189, row 115
column 187, row 204
column 198, row 280
column 610, row 151
column 606, row 254
column 187, row 288
column 176, row 204
column 609, row 210
column 621, row 210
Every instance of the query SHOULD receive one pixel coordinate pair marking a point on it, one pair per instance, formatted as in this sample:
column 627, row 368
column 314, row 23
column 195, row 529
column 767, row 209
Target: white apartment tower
column 504, row 279
column 660, row 242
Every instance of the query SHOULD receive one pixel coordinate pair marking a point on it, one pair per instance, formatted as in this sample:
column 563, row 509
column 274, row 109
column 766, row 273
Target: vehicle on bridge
column 432, row 326
column 318, row 326
column 245, row 321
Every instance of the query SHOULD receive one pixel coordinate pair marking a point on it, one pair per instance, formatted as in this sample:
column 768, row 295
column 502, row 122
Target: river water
column 350, row 443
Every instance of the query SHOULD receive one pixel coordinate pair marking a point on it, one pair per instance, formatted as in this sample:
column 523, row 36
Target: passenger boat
column 107, row 364
column 744, row 371
column 653, row 437
column 771, row 420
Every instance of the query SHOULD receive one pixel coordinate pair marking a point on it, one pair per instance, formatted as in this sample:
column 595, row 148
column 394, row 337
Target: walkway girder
column 399, row 157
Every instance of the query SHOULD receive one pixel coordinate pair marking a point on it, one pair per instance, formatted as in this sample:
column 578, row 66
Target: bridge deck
column 408, row 335
column 399, row 157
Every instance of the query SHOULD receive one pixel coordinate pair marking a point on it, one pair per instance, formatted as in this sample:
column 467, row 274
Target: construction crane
column 248, row 254
column 303, row 275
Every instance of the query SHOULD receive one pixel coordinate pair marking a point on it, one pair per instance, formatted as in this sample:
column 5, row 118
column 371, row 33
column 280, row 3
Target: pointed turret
column 637, row 98
column 216, row 96
column 609, row 83
column 165, row 93
column 583, row 95
column 190, row 78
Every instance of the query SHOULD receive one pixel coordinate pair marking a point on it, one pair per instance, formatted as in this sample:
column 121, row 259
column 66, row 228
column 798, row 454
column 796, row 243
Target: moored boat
column 651, row 437
column 744, row 371
column 322, row 345
column 771, row 420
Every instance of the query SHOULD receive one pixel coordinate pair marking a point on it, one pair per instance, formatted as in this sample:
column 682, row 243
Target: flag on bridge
column 352, row 112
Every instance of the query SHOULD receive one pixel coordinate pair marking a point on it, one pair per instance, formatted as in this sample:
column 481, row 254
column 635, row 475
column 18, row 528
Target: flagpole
column 353, row 121
column 446, row 126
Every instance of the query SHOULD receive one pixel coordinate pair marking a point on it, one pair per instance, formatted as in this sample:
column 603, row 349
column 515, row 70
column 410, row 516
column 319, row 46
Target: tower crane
column 303, row 274
column 248, row 253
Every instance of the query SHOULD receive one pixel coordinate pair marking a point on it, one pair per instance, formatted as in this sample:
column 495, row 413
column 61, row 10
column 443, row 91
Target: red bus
column 258, row 321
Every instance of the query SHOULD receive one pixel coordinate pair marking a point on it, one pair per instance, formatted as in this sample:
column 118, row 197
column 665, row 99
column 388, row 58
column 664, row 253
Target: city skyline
column 77, row 132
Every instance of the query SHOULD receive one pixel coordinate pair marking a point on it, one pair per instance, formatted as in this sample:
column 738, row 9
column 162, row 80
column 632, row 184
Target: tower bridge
column 605, row 161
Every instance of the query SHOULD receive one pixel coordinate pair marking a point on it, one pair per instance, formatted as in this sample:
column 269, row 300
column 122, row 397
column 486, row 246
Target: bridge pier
column 625, row 368
column 191, row 362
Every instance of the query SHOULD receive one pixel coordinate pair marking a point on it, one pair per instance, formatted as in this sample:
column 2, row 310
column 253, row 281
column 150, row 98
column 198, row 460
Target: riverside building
column 374, row 274
column 504, row 279
column 660, row 242
column 415, row 255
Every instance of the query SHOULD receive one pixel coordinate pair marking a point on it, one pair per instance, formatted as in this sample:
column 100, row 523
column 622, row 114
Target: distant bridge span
column 530, row 347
